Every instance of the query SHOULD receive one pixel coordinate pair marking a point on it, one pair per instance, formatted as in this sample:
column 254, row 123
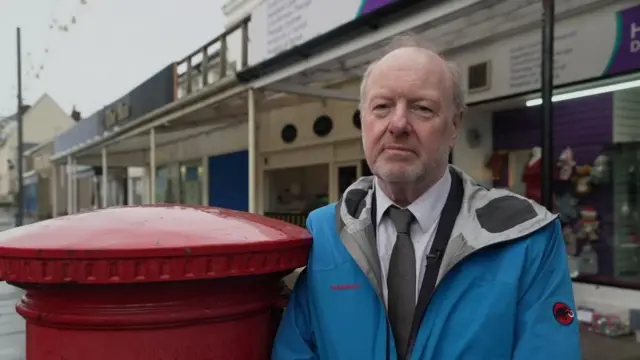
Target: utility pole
column 20, row 197
column 547, row 105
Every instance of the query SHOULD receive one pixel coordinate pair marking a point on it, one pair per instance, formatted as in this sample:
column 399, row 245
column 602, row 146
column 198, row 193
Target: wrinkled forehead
column 423, row 69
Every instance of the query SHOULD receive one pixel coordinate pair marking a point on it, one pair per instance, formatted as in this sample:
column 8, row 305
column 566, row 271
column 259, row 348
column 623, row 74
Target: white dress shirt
column 426, row 209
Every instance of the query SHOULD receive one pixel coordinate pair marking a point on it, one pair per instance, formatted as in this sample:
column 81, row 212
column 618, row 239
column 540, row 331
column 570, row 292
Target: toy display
column 578, row 187
column 588, row 225
column 565, row 164
column 600, row 171
column 566, row 206
column 582, row 180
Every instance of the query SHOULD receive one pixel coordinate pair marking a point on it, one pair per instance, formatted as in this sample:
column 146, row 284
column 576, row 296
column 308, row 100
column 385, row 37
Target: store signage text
column 116, row 114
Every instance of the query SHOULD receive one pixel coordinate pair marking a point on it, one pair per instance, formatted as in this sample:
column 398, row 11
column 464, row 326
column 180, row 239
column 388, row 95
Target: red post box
column 151, row 283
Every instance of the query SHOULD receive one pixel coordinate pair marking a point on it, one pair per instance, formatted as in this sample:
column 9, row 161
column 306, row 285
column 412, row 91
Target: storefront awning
column 324, row 61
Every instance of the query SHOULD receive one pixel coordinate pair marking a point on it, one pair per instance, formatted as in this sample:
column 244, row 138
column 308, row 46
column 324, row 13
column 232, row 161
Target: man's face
column 409, row 120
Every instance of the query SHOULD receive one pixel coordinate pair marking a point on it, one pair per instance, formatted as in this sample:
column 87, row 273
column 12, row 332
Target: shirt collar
column 426, row 208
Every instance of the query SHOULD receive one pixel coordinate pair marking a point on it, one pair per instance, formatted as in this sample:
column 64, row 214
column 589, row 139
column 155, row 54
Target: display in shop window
column 601, row 170
column 580, row 222
column 498, row 163
column 574, row 266
column 588, row 225
column 578, row 187
column 581, row 180
column 566, row 206
column 532, row 177
column 571, row 240
column 629, row 206
column 566, row 164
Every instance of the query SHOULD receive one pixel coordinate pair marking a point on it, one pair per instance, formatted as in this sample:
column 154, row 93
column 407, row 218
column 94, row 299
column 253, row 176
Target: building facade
column 41, row 122
column 273, row 126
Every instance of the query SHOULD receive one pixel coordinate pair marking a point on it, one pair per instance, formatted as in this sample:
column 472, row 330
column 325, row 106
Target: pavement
column 598, row 347
column 12, row 327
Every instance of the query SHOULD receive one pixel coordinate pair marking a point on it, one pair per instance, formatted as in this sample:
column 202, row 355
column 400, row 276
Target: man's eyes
column 422, row 108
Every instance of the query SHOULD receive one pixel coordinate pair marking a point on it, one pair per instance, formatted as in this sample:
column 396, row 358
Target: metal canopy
column 211, row 113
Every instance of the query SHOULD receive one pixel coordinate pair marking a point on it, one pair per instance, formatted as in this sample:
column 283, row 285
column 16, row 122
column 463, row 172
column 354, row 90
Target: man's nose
column 399, row 121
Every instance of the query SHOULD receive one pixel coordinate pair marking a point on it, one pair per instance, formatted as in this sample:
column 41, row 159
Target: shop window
column 167, row 184
column 294, row 192
column 583, row 194
column 357, row 120
column 626, row 212
column 323, row 125
column 289, row 133
column 137, row 190
column 584, row 180
column 191, row 184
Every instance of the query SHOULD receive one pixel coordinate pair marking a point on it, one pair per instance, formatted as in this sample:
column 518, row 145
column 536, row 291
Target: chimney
column 75, row 114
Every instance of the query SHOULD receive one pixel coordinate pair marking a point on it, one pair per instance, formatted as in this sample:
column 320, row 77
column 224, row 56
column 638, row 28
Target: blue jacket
column 503, row 290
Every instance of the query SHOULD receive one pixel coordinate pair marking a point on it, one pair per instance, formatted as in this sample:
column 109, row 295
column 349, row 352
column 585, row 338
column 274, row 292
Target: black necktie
column 401, row 280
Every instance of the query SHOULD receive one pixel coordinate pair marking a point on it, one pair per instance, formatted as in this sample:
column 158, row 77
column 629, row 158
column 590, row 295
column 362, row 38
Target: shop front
column 328, row 61
column 595, row 138
column 309, row 154
column 164, row 130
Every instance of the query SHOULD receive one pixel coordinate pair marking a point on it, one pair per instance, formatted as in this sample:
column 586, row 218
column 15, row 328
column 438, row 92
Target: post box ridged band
column 196, row 302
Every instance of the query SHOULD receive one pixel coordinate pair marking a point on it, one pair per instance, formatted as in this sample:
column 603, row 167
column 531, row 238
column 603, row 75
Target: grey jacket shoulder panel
column 504, row 213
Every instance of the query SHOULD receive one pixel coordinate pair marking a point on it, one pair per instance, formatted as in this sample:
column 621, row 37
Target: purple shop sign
column 367, row 6
column 626, row 52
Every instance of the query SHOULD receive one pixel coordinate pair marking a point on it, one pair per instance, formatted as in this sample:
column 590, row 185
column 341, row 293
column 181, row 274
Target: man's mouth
column 397, row 149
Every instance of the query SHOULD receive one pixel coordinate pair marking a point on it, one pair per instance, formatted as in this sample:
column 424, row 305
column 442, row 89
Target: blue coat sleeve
column 295, row 339
column 546, row 324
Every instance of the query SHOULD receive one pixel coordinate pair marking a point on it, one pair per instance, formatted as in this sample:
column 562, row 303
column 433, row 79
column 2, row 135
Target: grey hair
column 415, row 41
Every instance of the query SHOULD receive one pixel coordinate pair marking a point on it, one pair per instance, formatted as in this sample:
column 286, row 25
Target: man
column 419, row 262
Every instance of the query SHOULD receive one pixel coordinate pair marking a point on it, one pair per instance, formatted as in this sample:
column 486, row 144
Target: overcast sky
column 113, row 46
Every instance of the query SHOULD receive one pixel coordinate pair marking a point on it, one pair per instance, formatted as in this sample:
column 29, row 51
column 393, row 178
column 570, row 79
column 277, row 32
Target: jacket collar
column 487, row 217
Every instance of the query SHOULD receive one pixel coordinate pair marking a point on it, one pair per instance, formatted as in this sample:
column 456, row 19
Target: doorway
column 346, row 173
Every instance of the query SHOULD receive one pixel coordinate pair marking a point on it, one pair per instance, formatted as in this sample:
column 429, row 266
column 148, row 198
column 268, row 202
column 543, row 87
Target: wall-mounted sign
column 116, row 114
column 602, row 42
column 279, row 25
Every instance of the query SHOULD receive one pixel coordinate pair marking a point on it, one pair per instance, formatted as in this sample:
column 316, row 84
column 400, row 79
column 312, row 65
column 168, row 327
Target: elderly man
column 418, row 261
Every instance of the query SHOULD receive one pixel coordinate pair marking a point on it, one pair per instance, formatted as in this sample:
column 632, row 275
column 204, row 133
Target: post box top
column 150, row 243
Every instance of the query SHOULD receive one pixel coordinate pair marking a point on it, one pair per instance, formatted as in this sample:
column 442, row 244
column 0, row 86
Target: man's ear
column 457, row 125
